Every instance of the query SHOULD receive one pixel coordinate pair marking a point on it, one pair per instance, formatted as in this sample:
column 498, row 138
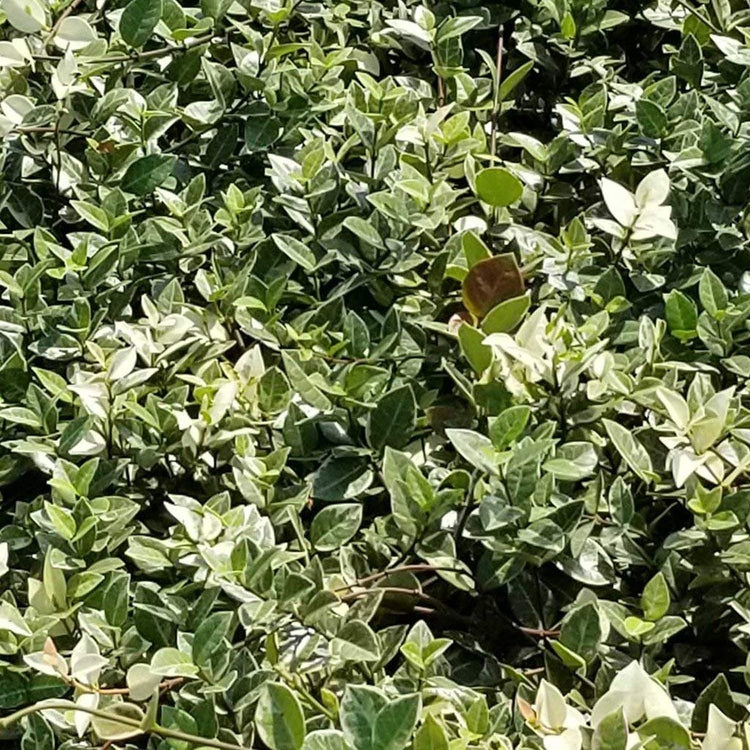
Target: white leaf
column 13, row 54
column 653, row 189
column 719, row 731
column 570, row 739
column 655, row 221
column 169, row 662
column 122, row 363
column 619, row 201
column 413, row 31
column 550, row 706
column 74, row 33
column 657, row 702
column 15, row 107
column 91, row 444
column 86, row 662
column 141, row 682
column 3, row 559
column 47, row 661
column 684, row 463
column 25, row 15
column 11, row 620
column 676, row 407
column 82, row 719
column 223, row 399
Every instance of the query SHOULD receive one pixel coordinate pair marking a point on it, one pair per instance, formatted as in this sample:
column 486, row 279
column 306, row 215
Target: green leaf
column 146, row 174
column 506, row 428
column 655, row 599
column 279, row 718
column 296, row 250
column 681, row 314
column 210, row 635
column 395, row 723
column 717, row 694
column 498, row 187
column 13, row 689
column 325, row 739
column 334, row 526
column 667, row 734
column 341, row 478
column 507, row 315
column 301, row 383
column 431, row 735
column 38, row 734
column 713, row 294
column 359, row 709
column 137, row 23
column 513, row 79
column 611, row 733
column 581, row 631
column 364, row 230
column 392, row 420
column 478, row 355
column 474, row 248
column 356, row 641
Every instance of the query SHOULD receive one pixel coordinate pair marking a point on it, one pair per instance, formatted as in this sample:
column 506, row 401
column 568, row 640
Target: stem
column 53, row 31
column 175, row 734
column 496, row 103
column 416, row 568
column 164, row 686
column 168, row 49
column 119, row 719
column 707, row 21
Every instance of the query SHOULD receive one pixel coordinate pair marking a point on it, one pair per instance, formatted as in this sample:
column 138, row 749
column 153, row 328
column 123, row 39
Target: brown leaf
column 491, row 281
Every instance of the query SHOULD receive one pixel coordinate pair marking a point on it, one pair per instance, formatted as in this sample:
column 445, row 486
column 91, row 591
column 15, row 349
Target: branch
column 416, row 568
column 157, row 729
column 168, row 49
column 62, row 17
column 496, row 103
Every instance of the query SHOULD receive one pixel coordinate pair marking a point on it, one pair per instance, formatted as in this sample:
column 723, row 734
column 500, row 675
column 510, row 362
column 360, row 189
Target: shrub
column 374, row 375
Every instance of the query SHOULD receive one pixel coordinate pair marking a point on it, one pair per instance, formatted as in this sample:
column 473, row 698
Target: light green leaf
column 279, row 718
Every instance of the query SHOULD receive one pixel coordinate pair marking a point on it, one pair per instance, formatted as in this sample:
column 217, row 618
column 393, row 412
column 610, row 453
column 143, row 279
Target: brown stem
column 169, row 49
column 59, row 21
column 416, row 568
column 539, row 632
column 49, row 129
column 164, row 686
column 496, row 104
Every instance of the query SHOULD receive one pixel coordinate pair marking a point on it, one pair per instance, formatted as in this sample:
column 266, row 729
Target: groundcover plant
column 374, row 374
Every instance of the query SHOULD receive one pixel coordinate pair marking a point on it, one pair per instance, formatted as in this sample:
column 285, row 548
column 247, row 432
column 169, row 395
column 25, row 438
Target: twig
column 49, row 129
column 53, row 31
column 415, row 593
column 496, row 103
column 416, row 568
column 707, row 21
column 157, row 729
column 538, row 632
column 168, row 49
column 441, row 91
column 164, row 686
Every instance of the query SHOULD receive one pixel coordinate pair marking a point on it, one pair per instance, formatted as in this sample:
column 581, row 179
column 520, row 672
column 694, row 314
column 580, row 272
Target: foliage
column 374, row 374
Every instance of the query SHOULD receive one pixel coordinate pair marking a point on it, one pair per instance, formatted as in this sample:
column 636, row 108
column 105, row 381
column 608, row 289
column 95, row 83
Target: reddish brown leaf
column 490, row 282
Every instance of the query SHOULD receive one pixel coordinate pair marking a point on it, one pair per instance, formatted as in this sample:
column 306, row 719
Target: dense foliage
column 374, row 374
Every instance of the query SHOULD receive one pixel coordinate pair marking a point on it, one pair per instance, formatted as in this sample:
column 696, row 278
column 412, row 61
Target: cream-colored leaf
column 619, row 201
